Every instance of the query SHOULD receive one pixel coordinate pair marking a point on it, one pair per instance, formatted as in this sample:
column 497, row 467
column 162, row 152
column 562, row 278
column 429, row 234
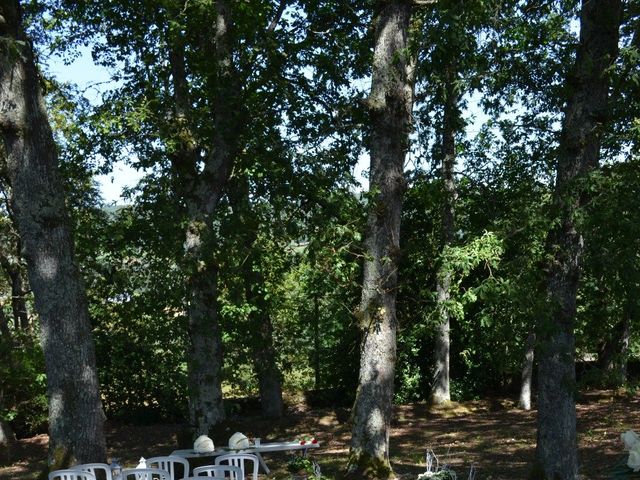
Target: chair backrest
column 238, row 460
column 144, row 474
column 101, row 471
column 169, row 463
column 71, row 474
column 218, row 471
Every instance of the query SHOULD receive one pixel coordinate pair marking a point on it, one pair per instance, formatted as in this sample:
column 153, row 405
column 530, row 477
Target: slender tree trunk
column 586, row 111
column 18, row 298
column 13, row 268
column 75, row 411
column 270, row 385
column 317, row 354
column 612, row 358
column 527, row 372
column 390, row 104
column 5, row 331
column 269, row 380
column 18, row 292
column 7, row 437
column 451, row 120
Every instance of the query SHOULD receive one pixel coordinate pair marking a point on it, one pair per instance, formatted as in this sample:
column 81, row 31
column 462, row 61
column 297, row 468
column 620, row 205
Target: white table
column 257, row 450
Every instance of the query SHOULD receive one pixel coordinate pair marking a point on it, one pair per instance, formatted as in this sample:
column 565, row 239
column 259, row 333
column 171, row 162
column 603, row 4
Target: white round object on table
column 238, row 441
column 203, row 444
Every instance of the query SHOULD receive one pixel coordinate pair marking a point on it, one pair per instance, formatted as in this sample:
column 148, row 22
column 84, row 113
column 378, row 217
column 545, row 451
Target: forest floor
column 491, row 434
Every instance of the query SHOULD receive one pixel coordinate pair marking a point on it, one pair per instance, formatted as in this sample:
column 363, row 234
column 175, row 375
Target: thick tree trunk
column 390, row 103
column 451, row 120
column 527, row 372
column 201, row 192
column 205, row 356
column 586, row 110
column 75, row 412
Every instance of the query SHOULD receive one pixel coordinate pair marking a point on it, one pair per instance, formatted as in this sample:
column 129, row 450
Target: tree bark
column 579, row 150
column 612, row 357
column 390, row 103
column 317, row 348
column 269, row 383
column 451, row 119
column 13, row 269
column 12, row 265
column 527, row 372
column 75, row 411
column 262, row 346
column 7, row 437
column 201, row 192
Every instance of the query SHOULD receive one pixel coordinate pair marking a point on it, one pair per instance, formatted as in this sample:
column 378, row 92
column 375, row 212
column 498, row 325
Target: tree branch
column 274, row 22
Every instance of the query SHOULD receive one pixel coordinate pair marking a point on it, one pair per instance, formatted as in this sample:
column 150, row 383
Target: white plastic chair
column 144, row 474
column 218, row 471
column 71, row 474
column 237, row 460
column 169, row 463
column 94, row 468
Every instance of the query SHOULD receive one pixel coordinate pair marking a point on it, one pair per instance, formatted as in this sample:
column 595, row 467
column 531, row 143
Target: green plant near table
column 298, row 464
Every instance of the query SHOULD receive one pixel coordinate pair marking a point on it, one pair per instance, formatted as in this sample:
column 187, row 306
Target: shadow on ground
column 492, row 435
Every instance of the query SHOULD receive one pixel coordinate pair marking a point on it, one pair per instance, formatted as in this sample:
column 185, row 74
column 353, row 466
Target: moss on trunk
column 363, row 465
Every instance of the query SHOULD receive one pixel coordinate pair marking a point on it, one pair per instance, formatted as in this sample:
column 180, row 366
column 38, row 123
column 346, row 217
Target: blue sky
column 91, row 78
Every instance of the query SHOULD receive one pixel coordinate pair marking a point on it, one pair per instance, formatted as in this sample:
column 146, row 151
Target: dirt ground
column 492, row 435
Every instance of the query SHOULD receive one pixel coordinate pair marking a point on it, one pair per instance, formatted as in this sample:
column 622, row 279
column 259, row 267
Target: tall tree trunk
column 201, row 192
column 527, row 372
column 586, row 111
column 269, row 383
column 75, row 411
column 13, row 269
column 261, row 327
column 7, row 437
column 18, row 298
column 12, row 265
column 612, row 358
column 317, row 354
column 451, row 121
column 390, row 104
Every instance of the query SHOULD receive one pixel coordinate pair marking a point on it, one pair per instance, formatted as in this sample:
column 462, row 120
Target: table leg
column 262, row 463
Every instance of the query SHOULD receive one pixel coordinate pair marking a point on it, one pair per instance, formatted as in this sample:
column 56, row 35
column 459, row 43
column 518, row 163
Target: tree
column 578, row 155
column 30, row 167
column 390, row 104
column 202, row 194
column 13, row 267
column 611, row 279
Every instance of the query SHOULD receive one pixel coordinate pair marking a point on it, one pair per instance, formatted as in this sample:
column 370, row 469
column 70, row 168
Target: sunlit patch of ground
column 494, row 436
